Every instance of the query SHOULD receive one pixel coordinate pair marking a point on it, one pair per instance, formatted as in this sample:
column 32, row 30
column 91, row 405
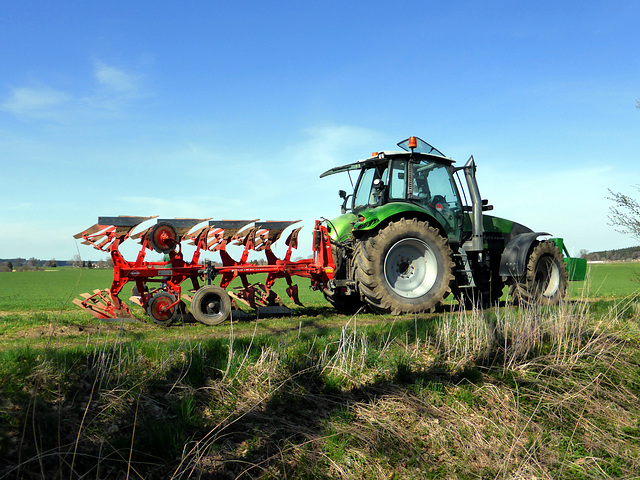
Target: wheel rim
column 163, row 238
column 411, row 268
column 547, row 277
column 160, row 309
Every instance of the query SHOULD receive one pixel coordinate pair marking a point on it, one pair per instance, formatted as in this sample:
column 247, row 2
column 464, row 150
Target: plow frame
column 158, row 285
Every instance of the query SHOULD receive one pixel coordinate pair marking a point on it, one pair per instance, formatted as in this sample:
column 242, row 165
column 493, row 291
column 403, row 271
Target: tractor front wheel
column 545, row 280
column 345, row 303
column 405, row 268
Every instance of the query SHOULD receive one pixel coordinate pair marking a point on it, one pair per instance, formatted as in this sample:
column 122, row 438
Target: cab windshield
column 371, row 187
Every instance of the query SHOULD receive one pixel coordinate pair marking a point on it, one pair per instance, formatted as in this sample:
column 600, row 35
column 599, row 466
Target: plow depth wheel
column 160, row 308
column 211, row 305
column 164, row 237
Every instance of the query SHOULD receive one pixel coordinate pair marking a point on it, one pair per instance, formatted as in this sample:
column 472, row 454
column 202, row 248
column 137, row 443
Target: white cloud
column 114, row 78
column 188, row 206
column 18, row 207
column 35, row 101
column 326, row 146
column 112, row 88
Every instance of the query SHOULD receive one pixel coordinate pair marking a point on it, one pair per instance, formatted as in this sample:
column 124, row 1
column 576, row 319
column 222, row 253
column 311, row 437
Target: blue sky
column 233, row 109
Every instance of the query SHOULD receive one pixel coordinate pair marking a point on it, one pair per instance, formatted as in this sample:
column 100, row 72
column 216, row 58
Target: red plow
column 158, row 285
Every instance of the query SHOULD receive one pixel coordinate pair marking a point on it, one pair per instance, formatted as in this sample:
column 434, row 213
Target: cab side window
column 433, row 184
column 397, row 180
column 361, row 198
column 433, row 187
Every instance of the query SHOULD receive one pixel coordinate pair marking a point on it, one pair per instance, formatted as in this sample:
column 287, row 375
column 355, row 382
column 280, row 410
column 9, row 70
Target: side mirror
column 345, row 198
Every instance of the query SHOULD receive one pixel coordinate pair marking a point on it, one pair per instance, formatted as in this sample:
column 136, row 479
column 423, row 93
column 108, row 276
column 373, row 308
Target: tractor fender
column 514, row 258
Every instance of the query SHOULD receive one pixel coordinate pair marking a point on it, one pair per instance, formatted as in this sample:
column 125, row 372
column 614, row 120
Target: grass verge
column 501, row 393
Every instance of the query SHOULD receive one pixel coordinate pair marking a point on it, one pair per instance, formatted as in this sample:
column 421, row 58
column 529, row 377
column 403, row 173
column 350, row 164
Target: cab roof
column 384, row 157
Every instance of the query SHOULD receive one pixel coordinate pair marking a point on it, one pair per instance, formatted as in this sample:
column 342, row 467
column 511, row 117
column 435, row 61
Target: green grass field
column 54, row 289
column 613, row 280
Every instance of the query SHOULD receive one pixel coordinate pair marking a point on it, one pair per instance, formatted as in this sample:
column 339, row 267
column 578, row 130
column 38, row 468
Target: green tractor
column 410, row 235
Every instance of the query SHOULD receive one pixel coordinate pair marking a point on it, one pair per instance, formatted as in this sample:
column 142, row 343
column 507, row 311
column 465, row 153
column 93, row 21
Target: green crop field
column 49, row 289
column 54, row 289
column 506, row 392
column 613, row 279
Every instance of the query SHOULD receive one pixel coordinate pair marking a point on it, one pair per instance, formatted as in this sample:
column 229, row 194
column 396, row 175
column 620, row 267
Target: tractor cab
column 419, row 178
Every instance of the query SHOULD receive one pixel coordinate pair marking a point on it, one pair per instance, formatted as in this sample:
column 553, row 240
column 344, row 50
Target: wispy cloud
column 35, row 101
column 325, row 146
column 18, row 207
column 114, row 78
column 110, row 90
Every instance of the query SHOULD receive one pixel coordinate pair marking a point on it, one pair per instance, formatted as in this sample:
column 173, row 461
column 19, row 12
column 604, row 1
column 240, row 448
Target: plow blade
column 184, row 225
column 167, row 234
column 269, row 233
column 224, row 232
column 292, row 291
column 257, row 295
column 100, row 305
column 102, row 234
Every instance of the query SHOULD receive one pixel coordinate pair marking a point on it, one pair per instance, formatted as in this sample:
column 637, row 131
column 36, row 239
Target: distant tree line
column 22, row 265
column 33, row 264
column 77, row 262
column 629, row 254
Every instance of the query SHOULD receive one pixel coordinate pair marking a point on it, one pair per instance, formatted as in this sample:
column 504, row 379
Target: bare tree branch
column 625, row 214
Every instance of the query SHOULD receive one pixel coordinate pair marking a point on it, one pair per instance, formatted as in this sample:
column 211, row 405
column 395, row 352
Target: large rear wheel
column 405, row 268
column 545, row 280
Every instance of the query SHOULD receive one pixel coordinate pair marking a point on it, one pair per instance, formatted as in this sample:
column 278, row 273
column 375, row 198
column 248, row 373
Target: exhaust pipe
column 476, row 244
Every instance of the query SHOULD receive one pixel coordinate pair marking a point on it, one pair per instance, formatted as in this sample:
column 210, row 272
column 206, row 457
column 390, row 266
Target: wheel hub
column 405, row 267
column 213, row 307
column 161, row 308
column 410, row 268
